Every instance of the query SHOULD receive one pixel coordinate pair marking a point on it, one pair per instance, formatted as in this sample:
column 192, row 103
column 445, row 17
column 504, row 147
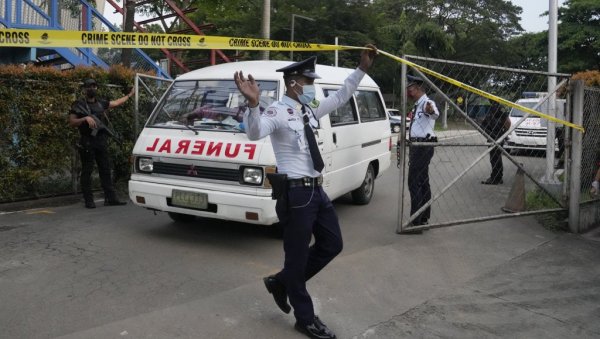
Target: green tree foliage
column 579, row 36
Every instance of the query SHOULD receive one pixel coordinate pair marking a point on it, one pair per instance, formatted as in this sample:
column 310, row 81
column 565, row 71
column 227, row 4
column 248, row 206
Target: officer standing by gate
column 421, row 130
column 303, row 208
column 89, row 115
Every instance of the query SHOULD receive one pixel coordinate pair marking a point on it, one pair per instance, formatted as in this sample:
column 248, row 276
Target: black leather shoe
column 114, row 203
column 277, row 289
column 316, row 330
column 90, row 204
column 489, row 181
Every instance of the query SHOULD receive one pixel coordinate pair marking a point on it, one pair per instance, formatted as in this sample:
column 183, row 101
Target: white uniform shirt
column 282, row 121
column 423, row 123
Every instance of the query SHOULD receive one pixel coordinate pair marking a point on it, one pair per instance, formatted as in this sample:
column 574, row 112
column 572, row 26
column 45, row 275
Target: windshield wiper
column 219, row 124
column 190, row 128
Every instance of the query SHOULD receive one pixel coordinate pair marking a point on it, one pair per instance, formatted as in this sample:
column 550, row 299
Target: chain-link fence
column 489, row 161
column 590, row 157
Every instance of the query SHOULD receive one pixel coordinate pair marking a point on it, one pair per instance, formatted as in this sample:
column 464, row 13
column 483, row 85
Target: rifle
column 99, row 124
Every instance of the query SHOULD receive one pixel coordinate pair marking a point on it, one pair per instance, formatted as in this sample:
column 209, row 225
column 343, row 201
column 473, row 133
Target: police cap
column 89, row 82
column 305, row 68
column 413, row 80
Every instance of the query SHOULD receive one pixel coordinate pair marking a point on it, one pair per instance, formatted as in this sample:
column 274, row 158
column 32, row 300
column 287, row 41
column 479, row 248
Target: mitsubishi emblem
column 192, row 171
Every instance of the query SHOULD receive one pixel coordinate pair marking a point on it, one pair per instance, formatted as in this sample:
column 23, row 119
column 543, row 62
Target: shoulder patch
column 270, row 112
column 314, row 104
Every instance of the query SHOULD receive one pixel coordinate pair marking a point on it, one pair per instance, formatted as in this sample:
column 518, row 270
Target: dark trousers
column 418, row 181
column 307, row 212
column 91, row 151
column 496, row 162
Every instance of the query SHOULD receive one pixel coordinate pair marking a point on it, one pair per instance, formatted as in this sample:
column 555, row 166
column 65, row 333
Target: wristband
column 596, row 185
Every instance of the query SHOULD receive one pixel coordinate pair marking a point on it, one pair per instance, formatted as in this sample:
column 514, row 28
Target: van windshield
column 207, row 105
column 518, row 113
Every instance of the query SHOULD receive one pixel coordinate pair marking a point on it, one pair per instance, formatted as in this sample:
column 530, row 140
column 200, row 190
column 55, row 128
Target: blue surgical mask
column 308, row 94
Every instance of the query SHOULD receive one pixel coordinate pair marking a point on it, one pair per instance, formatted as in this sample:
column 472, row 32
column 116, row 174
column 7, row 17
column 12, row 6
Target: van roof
column 265, row 70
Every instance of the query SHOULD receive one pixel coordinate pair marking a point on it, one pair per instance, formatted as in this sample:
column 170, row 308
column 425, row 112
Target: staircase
column 47, row 14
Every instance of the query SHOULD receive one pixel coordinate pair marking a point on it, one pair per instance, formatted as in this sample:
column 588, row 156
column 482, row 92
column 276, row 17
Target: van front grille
column 532, row 133
column 203, row 172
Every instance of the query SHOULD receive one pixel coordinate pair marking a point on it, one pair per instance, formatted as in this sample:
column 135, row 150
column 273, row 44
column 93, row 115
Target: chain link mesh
column 590, row 157
column 469, row 178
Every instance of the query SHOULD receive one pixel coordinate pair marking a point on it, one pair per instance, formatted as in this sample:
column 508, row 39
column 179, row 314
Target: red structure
column 179, row 14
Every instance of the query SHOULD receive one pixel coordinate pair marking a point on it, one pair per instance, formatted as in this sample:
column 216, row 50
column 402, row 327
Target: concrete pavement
column 499, row 279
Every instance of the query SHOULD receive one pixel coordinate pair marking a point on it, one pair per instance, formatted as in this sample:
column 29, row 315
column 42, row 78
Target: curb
column 41, row 203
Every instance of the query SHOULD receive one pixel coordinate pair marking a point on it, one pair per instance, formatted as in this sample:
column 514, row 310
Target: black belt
column 430, row 139
column 305, row 182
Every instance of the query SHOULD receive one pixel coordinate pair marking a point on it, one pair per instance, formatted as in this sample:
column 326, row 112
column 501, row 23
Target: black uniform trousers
column 496, row 163
column 95, row 149
column 418, row 181
column 307, row 211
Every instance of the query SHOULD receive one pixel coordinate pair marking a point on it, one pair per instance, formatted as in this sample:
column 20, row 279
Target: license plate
column 189, row 199
column 531, row 123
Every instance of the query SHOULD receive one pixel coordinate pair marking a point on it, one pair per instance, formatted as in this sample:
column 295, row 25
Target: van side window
column 369, row 106
column 344, row 115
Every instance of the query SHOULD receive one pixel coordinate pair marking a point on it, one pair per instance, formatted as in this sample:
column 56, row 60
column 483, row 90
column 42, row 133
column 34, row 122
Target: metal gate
column 531, row 182
column 148, row 91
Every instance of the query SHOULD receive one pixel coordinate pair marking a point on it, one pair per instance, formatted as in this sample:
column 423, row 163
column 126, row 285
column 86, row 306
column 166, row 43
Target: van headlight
column 251, row 176
column 145, row 165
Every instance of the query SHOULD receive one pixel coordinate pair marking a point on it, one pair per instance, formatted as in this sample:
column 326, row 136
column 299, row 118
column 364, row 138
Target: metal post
column 292, row 37
column 576, row 150
column 336, row 52
column 18, row 12
column 401, row 149
column 54, row 17
column 552, row 65
column 266, row 25
column 136, row 109
column 8, row 11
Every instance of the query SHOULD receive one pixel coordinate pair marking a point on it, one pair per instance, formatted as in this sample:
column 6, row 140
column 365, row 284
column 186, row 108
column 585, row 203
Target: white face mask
column 308, row 93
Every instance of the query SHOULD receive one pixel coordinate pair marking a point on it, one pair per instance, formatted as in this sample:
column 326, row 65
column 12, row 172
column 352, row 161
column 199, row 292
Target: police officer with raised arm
column 425, row 113
column 303, row 209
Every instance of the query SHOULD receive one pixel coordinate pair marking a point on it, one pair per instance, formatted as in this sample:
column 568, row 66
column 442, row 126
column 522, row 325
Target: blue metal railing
column 26, row 14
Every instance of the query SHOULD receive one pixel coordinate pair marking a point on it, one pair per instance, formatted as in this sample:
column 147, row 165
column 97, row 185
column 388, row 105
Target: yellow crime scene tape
column 482, row 93
column 91, row 39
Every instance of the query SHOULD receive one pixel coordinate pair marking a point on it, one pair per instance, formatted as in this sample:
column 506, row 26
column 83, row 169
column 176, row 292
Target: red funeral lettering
column 166, row 146
column 250, row 149
column 183, row 146
column 153, row 147
column 198, row 147
column 214, row 148
column 235, row 152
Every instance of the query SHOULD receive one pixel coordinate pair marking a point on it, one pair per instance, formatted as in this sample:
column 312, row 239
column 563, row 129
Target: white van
column 531, row 133
column 193, row 158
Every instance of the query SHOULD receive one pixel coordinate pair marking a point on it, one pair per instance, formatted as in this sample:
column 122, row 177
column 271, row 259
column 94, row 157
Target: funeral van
column 193, row 158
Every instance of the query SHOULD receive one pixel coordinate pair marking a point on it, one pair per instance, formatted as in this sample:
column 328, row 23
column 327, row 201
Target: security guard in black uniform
column 89, row 115
column 303, row 208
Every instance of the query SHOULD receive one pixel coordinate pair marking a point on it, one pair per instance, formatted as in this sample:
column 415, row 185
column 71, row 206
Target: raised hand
column 367, row 56
column 429, row 108
column 248, row 88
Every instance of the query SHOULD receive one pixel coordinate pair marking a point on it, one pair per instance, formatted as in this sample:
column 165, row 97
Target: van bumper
column 527, row 143
column 229, row 206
